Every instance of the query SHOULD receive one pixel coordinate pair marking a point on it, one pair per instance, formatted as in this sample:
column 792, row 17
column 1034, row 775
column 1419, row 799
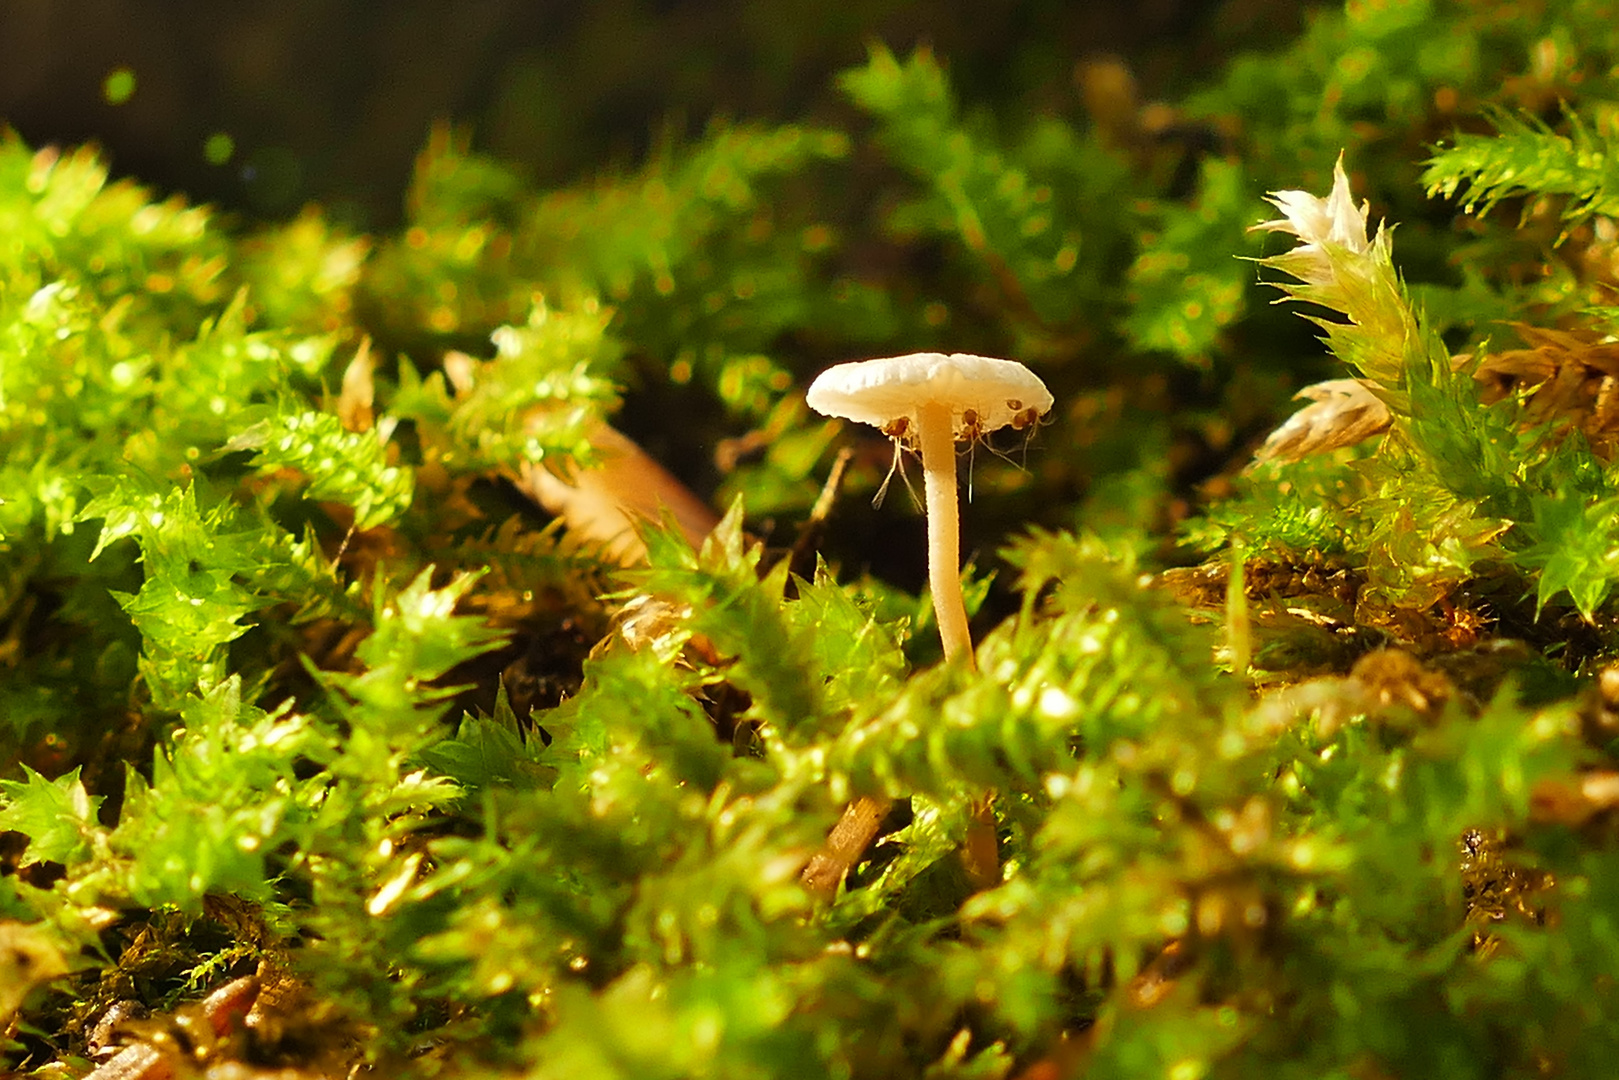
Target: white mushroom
column 934, row 400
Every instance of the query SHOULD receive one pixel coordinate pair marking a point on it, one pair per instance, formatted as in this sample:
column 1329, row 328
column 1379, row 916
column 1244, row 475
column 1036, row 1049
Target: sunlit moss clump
column 1291, row 741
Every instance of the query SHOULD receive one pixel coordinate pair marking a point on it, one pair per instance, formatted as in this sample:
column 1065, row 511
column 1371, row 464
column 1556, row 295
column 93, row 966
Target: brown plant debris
column 1342, row 412
column 1566, row 378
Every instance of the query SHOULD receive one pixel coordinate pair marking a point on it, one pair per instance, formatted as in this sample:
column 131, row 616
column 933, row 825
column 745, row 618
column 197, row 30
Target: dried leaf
column 1571, row 377
column 1343, row 412
column 356, row 399
column 624, row 486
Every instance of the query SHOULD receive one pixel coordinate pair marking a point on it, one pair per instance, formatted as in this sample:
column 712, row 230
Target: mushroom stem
column 935, row 434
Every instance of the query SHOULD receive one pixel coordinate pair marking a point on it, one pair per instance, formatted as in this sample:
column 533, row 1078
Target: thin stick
column 845, row 844
column 981, row 854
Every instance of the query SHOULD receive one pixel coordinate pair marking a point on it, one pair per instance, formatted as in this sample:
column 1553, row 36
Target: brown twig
column 847, row 841
column 223, row 1010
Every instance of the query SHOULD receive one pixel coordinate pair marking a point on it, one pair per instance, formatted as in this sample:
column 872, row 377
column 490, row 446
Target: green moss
column 298, row 680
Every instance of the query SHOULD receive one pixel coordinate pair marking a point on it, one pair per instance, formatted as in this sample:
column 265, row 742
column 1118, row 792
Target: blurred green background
column 261, row 108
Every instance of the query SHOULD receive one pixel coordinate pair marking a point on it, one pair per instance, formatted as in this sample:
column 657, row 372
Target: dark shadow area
column 261, row 108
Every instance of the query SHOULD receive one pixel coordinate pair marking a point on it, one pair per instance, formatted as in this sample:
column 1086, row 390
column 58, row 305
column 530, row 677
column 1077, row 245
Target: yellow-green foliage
column 292, row 674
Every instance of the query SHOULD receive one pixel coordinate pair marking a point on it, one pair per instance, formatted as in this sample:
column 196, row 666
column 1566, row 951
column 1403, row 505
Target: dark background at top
column 329, row 100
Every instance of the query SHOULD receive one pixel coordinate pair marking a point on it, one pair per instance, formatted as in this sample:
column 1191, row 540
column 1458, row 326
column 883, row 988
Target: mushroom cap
column 879, row 392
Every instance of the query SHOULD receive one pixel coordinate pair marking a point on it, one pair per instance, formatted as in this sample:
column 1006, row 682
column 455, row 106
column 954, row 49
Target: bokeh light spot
column 219, row 148
column 119, row 86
